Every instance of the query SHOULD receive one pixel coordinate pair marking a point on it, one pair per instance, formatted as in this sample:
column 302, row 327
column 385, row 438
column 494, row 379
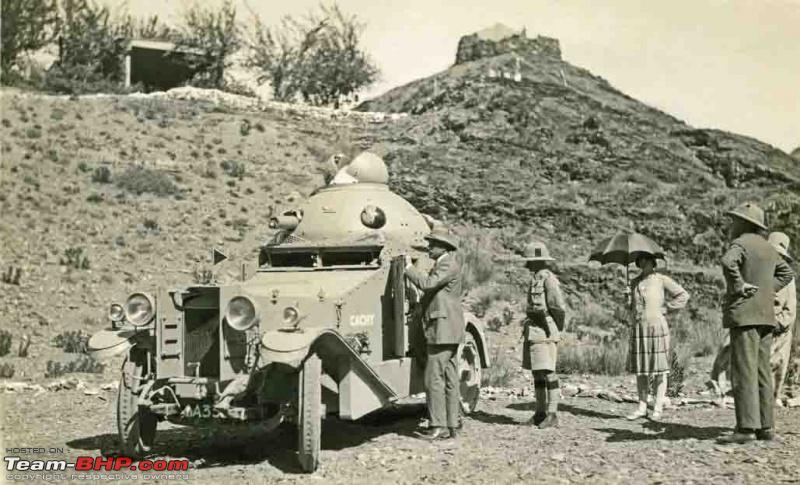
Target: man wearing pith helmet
column 754, row 272
column 546, row 316
column 443, row 321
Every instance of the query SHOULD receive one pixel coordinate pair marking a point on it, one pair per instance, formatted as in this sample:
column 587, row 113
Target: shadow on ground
column 662, row 430
column 220, row 446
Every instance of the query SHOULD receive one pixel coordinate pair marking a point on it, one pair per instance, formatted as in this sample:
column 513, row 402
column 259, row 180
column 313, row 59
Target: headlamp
column 139, row 309
column 241, row 313
column 116, row 313
column 290, row 315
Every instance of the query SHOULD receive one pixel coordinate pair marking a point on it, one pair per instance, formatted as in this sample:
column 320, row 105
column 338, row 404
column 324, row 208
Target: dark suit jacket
column 441, row 300
column 751, row 259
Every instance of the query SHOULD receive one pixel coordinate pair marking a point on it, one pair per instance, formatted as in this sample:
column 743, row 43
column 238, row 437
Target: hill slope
column 523, row 140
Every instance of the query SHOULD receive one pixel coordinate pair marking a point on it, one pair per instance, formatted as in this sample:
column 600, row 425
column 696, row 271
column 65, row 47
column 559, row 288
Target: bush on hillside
column 141, row 180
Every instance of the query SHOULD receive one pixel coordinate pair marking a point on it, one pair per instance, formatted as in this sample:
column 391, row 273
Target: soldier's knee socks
column 553, row 395
column 540, row 389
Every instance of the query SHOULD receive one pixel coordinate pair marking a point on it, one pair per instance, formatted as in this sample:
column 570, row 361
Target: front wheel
column 136, row 425
column 469, row 375
column 309, row 422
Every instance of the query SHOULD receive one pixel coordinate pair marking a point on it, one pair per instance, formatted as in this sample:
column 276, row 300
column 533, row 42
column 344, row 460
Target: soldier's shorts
column 539, row 355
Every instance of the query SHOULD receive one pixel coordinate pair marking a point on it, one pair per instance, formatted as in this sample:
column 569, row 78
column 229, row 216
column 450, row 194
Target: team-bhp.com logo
column 94, row 467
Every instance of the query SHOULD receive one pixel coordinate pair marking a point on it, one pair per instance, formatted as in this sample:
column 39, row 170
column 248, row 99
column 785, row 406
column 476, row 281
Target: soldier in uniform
column 753, row 272
column 546, row 317
column 785, row 314
column 443, row 322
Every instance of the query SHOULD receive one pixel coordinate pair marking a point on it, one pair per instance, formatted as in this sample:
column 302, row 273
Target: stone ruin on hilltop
column 499, row 39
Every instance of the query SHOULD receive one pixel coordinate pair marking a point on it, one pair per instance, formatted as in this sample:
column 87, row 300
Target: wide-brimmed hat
column 751, row 213
column 780, row 242
column 536, row 251
column 443, row 236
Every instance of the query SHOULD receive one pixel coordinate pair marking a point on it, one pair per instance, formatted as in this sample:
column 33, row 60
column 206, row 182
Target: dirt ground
column 592, row 444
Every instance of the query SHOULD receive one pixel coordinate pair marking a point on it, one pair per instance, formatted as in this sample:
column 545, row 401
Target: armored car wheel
column 309, row 414
column 136, row 425
column 469, row 375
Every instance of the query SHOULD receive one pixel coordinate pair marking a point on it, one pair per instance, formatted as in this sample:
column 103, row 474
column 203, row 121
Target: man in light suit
column 443, row 321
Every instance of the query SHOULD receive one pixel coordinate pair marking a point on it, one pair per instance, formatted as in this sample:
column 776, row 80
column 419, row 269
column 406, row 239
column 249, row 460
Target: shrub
column 6, row 371
column 151, row 225
column 101, row 175
column 609, row 359
column 72, row 341
column 74, row 258
column 94, row 198
column 245, row 127
column 476, row 257
column 500, row 372
column 24, row 345
column 140, row 180
column 697, row 332
column 5, row 342
column 12, row 275
column 500, row 314
column 232, row 168
column 83, row 363
column 677, row 373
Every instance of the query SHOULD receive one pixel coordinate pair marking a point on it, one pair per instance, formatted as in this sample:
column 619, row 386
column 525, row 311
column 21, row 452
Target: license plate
column 201, row 411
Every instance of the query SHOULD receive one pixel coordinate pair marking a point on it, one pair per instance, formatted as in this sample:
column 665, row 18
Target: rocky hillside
column 101, row 195
column 514, row 137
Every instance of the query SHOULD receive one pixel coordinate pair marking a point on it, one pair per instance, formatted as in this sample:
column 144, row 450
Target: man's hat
column 536, row 251
column 441, row 235
column 751, row 213
column 780, row 242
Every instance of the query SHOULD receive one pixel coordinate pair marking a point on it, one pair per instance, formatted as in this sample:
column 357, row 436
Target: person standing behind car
column 443, row 321
column 754, row 272
column 546, row 317
column 785, row 314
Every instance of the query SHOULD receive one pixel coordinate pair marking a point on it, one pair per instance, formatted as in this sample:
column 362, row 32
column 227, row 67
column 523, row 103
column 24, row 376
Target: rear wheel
column 136, row 424
column 469, row 372
column 309, row 422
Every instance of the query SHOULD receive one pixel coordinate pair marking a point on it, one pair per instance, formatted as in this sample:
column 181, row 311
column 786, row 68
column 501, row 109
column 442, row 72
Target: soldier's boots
column 453, row 433
column 551, row 421
column 537, row 419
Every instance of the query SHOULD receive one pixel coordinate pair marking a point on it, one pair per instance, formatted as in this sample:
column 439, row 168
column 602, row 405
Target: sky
column 728, row 64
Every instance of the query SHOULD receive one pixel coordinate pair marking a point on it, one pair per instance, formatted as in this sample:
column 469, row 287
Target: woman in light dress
column 652, row 296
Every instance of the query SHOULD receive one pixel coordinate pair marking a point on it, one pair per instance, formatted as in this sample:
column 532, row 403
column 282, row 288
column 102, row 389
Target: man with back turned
column 754, row 272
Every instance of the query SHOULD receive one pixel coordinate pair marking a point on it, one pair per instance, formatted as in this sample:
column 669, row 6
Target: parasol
column 623, row 248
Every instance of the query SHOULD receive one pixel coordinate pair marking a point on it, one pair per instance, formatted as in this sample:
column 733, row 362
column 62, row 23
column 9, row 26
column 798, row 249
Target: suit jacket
column 751, row 259
column 443, row 317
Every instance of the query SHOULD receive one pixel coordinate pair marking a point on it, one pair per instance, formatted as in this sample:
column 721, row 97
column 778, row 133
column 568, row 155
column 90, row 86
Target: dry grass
column 500, row 372
column 591, row 358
